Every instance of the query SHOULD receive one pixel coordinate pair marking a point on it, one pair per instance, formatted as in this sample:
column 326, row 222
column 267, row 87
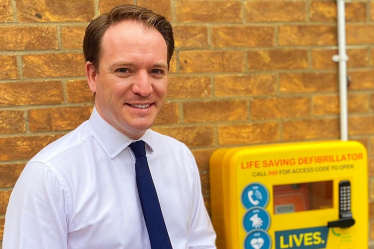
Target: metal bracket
column 336, row 58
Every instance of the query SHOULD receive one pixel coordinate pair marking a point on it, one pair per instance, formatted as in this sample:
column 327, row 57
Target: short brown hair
column 96, row 29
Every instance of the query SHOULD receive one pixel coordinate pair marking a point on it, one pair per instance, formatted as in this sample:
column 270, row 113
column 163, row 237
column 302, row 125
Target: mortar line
column 59, row 38
column 96, row 2
column 14, row 7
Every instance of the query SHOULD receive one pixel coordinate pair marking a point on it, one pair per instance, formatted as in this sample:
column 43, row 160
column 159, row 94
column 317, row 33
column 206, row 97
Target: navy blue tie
column 157, row 232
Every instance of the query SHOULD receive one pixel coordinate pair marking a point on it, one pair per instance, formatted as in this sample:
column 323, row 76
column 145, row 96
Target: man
column 81, row 191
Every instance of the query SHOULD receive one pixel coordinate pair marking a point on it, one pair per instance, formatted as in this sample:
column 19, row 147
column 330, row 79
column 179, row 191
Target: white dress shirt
column 80, row 193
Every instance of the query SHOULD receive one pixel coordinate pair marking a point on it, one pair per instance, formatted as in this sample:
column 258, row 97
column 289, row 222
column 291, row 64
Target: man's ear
column 91, row 74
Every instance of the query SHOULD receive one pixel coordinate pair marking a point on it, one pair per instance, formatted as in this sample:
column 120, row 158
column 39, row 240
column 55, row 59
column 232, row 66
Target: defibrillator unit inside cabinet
column 288, row 196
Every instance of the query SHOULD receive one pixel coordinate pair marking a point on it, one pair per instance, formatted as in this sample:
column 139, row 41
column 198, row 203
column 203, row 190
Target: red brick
column 53, row 65
column 31, row 93
column 12, row 122
column 77, row 91
column 23, row 148
column 58, row 119
column 4, row 199
column 215, row 111
column 106, row 5
column 277, row 59
column 245, row 85
column 190, row 36
column 322, row 58
column 161, row 7
column 168, row 115
column 72, row 37
column 358, row 103
column 359, row 34
column 329, row 104
column 362, row 80
column 211, row 61
column 244, row 134
column 208, row 11
column 192, row 136
column 2, row 222
column 371, row 150
column 173, row 64
column 272, row 108
column 307, row 35
column 259, row 11
column 311, row 129
column 28, row 38
column 371, row 210
column 371, row 55
column 9, row 174
column 371, row 10
column 371, row 196
column 237, row 36
column 8, row 65
column 371, row 172
column 55, row 10
column 323, row 11
column 189, row 87
column 359, row 125
column 308, row 82
column 205, row 183
column 202, row 157
column 6, row 15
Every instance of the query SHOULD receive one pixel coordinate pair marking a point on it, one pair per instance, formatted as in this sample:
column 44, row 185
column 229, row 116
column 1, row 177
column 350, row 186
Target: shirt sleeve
column 202, row 235
column 36, row 215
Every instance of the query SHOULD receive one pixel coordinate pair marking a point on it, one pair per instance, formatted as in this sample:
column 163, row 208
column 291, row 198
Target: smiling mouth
column 140, row 106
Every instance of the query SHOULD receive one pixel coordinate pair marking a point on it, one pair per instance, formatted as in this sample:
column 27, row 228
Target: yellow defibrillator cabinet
column 288, row 196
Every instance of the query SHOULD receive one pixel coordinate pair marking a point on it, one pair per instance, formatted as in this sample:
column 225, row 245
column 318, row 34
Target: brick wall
column 244, row 72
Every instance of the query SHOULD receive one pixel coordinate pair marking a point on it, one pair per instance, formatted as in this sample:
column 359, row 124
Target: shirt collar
column 111, row 140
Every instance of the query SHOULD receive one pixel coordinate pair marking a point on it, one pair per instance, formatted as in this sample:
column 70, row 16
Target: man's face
column 131, row 82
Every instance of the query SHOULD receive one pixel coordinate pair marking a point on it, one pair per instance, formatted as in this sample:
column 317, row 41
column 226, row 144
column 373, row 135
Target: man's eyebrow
column 123, row 63
column 162, row 65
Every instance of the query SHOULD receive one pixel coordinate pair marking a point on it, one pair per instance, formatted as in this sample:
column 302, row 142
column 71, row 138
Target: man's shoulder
column 64, row 144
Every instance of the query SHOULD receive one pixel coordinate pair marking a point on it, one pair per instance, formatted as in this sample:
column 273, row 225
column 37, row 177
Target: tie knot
column 138, row 148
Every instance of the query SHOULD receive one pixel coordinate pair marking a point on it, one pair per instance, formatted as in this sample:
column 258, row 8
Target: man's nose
column 142, row 84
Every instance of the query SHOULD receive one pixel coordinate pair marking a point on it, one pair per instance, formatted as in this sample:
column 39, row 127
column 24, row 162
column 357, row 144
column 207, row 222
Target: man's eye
column 157, row 71
column 122, row 70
